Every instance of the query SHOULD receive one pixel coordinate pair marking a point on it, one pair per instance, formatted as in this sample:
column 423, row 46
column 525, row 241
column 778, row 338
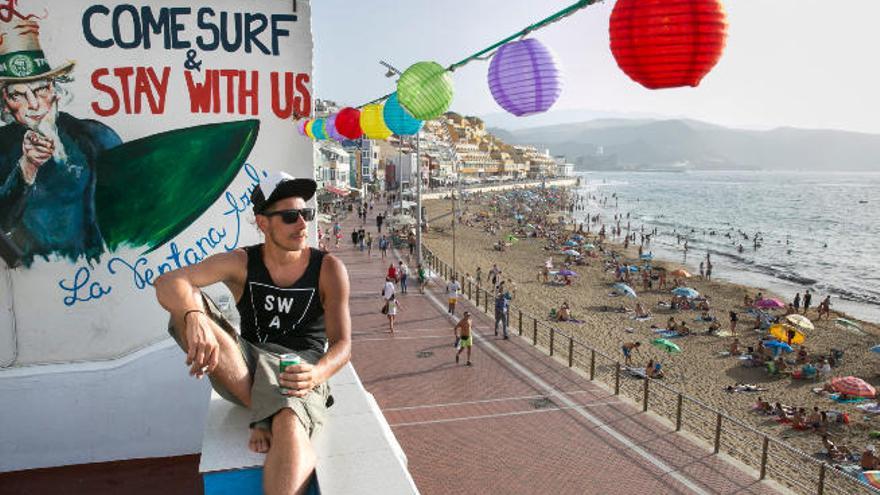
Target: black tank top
column 292, row 316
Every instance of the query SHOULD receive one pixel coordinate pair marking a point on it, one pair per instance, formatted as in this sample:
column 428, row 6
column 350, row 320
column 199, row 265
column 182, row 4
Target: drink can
column 285, row 361
column 288, row 360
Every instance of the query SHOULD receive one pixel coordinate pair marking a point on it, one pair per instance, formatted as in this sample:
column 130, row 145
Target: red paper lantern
column 348, row 123
column 667, row 43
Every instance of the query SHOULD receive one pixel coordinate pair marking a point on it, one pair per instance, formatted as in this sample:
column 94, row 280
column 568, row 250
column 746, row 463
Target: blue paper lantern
column 523, row 77
column 399, row 120
column 318, row 130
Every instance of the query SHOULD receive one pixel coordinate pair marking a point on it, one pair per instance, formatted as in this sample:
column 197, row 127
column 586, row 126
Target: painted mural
column 132, row 134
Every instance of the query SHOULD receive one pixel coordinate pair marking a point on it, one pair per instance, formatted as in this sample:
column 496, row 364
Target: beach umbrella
column 666, row 345
column 681, row 272
column 872, row 478
column 876, row 349
column 778, row 346
column 621, row 287
column 847, row 323
column 523, row 77
column 633, row 268
column 588, row 246
column 685, row 292
column 800, row 321
column 769, row 303
column 571, row 252
column 348, row 123
column 570, row 243
column 780, row 331
column 577, row 237
column 662, row 44
column 400, row 122
column 567, row 273
column 851, row 385
column 647, row 256
column 425, row 90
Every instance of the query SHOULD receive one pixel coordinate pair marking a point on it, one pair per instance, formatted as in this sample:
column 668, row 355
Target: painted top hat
column 21, row 57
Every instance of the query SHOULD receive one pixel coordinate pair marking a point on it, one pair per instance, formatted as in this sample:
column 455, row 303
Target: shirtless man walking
column 464, row 337
column 292, row 299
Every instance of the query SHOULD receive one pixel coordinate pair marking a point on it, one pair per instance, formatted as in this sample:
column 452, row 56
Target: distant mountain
column 616, row 143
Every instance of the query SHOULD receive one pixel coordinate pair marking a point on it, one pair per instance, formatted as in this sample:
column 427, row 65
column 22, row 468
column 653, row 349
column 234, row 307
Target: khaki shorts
column 262, row 361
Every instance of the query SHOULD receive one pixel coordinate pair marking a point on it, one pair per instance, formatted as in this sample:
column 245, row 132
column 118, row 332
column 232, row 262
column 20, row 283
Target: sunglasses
column 292, row 216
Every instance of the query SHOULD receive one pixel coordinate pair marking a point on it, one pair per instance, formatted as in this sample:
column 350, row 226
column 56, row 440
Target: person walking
column 502, row 310
column 733, row 319
column 383, row 246
column 808, row 297
column 452, row 289
column 464, row 337
column 423, row 278
column 403, row 273
column 392, row 305
column 369, row 241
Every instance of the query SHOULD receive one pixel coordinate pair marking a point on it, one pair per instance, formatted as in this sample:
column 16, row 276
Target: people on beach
column 733, row 319
column 464, row 338
column 628, row 348
column 808, row 297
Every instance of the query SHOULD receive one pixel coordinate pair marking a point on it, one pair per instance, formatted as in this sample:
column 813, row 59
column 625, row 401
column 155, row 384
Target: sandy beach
column 699, row 370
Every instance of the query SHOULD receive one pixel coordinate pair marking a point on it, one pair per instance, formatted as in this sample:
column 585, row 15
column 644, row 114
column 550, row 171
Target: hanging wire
column 488, row 52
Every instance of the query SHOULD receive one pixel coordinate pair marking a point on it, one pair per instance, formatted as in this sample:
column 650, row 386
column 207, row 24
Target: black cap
column 281, row 186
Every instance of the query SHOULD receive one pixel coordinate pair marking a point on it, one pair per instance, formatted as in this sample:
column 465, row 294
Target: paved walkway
column 516, row 421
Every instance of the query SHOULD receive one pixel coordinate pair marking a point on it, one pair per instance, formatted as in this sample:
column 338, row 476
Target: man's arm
column 334, row 291
column 176, row 293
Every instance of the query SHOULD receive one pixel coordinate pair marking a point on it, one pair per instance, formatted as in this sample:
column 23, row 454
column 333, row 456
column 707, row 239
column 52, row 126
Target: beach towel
column 854, row 400
column 666, row 334
column 871, row 408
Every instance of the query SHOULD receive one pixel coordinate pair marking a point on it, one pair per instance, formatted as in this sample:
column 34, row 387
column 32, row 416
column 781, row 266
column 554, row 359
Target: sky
column 788, row 63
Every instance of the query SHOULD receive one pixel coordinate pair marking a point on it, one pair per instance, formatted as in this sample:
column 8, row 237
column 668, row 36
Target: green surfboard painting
column 151, row 189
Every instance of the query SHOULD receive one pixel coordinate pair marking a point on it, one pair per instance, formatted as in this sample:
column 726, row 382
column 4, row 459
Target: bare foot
column 260, row 440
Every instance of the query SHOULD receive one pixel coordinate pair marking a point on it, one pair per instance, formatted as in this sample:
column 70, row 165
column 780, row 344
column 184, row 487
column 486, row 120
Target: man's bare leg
column 232, row 373
column 291, row 459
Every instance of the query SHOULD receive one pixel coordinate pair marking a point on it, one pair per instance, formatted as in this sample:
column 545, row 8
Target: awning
column 337, row 191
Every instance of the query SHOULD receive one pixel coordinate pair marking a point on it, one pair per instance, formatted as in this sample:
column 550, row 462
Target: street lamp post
column 418, row 204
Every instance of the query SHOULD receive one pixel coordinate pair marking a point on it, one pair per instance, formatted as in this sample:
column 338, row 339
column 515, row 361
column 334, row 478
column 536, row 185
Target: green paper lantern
column 425, row 90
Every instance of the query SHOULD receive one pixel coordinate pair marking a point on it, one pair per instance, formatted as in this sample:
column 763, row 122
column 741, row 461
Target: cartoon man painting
column 47, row 157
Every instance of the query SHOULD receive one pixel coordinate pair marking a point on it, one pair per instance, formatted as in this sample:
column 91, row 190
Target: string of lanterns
column 657, row 43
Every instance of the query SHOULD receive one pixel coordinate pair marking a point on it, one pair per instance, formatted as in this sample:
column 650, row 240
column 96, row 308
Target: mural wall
column 132, row 135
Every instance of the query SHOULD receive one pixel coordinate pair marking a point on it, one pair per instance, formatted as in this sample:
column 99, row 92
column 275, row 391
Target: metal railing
column 771, row 457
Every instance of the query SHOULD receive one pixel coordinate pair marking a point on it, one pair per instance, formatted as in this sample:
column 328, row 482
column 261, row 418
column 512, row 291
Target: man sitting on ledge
column 292, row 299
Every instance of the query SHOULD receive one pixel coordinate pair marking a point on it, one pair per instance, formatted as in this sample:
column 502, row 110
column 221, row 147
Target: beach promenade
column 517, row 421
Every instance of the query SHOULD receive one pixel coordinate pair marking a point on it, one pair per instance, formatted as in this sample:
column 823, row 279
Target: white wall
column 98, row 379
column 144, row 405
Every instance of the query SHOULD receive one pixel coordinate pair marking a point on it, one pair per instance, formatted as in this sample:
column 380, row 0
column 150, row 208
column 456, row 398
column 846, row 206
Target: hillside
column 616, row 143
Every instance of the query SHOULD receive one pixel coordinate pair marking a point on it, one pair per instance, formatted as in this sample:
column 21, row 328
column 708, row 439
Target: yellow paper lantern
column 373, row 122
column 309, row 129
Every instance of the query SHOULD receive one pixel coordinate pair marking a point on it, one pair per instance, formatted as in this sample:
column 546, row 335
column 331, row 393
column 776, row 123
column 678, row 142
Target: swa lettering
column 278, row 311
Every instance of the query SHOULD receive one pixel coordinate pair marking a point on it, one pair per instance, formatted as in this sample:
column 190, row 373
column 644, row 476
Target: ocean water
column 819, row 230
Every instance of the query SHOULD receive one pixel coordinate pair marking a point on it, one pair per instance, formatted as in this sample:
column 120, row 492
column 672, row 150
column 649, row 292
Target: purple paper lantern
column 301, row 127
column 331, row 129
column 523, row 77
